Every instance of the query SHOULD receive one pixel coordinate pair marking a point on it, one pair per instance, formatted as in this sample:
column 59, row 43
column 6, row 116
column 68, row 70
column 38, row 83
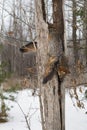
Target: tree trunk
column 50, row 45
column 74, row 35
column 85, row 28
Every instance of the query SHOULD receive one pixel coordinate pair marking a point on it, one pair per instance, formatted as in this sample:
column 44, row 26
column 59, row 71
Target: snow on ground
column 29, row 105
column 75, row 118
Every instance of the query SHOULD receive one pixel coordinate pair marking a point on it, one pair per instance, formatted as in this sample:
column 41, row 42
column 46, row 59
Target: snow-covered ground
column 29, row 105
column 76, row 119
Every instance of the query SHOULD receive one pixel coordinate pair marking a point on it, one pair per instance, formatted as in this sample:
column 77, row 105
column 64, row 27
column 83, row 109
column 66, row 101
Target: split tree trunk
column 50, row 43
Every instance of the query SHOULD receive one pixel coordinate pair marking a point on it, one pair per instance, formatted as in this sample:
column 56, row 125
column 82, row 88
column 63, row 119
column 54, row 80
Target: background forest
column 18, row 71
column 18, row 28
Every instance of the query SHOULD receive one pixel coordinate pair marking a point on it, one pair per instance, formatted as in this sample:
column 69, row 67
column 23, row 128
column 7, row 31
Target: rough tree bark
column 74, row 35
column 85, row 28
column 49, row 53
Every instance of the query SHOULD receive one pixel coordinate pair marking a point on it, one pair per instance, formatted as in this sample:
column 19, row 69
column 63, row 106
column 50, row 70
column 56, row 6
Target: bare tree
column 85, row 27
column 74, row 27
column 50, row 57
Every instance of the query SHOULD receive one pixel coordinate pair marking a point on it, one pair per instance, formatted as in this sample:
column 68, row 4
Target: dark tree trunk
column 74, row 36
column 49, row 53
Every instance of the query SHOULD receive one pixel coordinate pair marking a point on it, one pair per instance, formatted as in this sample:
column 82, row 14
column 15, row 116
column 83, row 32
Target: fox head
column 30, row 47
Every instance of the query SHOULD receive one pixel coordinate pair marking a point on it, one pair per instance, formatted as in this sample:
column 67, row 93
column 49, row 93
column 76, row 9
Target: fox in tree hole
column 57, row 62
